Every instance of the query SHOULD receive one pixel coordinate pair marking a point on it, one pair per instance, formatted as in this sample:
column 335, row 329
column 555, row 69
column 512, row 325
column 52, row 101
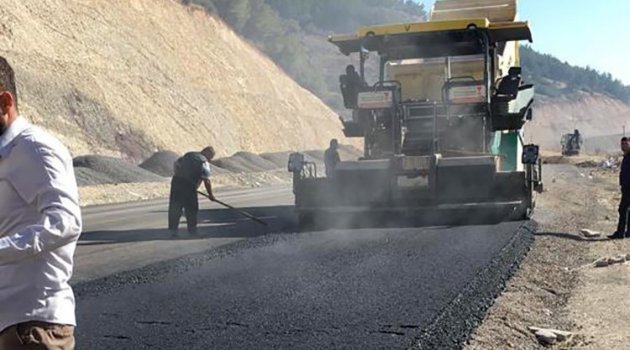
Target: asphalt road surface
column 241, row 286
column 123, row 237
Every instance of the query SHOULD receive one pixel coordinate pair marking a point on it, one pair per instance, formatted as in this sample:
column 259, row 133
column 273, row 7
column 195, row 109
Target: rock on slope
column 128, row 77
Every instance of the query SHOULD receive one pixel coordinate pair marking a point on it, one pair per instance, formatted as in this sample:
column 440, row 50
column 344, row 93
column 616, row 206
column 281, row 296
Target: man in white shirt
column 40, row 223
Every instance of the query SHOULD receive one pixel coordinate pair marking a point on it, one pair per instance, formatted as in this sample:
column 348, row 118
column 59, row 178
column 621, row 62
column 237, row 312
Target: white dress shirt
column 40, row 223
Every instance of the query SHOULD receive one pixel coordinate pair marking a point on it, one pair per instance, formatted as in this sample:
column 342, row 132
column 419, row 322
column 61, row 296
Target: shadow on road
column 213, row 223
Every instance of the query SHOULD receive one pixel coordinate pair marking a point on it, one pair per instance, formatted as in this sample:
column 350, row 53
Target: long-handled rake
column 242, row 212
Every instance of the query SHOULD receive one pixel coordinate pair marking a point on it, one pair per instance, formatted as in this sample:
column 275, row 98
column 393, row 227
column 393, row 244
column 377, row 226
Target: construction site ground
column 558, row 285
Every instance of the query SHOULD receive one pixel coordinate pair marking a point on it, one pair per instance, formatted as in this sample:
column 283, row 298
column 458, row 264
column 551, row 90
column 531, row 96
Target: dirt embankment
column 127, row 78
column 595, row 115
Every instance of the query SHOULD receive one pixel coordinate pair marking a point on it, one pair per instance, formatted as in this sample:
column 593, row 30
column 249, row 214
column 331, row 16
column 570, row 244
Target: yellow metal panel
column 426, row 27
column 509, row 31
column 423, row 27
column 342, row 37
column 498, row 32
column 421, row 80
column 509, row 25
column 494, row 10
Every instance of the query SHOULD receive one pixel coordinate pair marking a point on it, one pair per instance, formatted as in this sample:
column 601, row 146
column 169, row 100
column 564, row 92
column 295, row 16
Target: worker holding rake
column 190, row 171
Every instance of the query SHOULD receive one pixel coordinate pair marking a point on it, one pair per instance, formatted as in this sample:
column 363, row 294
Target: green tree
column 234, row 12
column 554, row 77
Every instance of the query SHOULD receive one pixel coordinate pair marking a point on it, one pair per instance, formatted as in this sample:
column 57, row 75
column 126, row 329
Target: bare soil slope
column 595, row 115
column 126, row 78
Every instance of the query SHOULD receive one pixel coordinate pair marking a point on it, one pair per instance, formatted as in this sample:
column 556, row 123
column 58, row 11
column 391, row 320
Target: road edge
column 457, row 321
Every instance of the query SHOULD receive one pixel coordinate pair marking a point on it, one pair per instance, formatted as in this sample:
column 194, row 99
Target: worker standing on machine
column 351, row 85
column 331, row 158
column 190, row 171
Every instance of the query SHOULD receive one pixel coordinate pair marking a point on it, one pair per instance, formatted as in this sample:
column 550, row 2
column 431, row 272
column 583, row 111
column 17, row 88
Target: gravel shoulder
column 558, row 285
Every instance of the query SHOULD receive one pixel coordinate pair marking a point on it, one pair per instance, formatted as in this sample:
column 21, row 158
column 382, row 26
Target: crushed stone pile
column 315, row 156
column 245, row 162
column 218, row 170
column 280, row 159
column 101, row 170
column 349, row 152
column 117, row 170
column 89, row 177
column 161, row 163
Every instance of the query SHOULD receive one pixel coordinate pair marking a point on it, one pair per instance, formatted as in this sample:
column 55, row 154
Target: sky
column 581, row 32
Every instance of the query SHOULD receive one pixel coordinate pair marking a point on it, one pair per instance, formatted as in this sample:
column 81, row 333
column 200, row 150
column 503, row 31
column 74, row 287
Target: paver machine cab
column 441, row 126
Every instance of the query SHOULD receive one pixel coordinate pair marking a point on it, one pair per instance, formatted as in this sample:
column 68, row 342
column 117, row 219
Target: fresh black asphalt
column 339, row 289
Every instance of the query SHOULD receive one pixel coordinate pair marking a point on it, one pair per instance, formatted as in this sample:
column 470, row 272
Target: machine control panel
column 376, row 99
column 466, row 94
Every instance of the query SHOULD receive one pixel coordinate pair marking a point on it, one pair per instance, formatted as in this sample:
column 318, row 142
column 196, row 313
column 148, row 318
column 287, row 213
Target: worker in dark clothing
column 576, row 140
column 351, row 84
column 190, row 171
column 331, row 158
column 354, row 78
column 624, row 181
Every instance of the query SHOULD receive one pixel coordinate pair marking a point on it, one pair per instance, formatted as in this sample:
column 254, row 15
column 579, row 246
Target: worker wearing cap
column 190, row 171
column 331, row 158
column 624, row 182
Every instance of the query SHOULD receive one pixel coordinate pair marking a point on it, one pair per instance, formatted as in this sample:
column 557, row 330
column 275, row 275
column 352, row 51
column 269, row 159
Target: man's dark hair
column 7, row 79
column 210, row 150
column 624, row 139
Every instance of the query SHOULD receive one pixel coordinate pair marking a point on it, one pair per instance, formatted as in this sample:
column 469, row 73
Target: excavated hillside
column 595, row 115
column 126, row 78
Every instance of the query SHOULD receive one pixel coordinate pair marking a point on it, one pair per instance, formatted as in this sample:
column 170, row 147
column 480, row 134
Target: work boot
column 627, row 235
column 175, row 234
